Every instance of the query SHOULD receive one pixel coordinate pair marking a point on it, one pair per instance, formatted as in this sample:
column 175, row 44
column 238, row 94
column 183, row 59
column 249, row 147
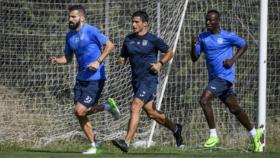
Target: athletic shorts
column 220, row 88
column 144, row 90
column 88, row 92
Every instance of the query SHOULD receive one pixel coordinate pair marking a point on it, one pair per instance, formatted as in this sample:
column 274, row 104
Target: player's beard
column 74, row 26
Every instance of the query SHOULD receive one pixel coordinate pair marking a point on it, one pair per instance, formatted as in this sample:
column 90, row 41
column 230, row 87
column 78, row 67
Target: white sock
column 127, row 143
column 106, row 106
column 93, row 144
column 252, row 132
column 213, row 133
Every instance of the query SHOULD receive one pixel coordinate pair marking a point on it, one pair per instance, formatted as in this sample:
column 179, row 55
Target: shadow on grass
column 49, row 151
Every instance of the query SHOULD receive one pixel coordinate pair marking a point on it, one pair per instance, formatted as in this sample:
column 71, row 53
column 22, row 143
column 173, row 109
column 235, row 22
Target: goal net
column 188, row 80
column 36, row 97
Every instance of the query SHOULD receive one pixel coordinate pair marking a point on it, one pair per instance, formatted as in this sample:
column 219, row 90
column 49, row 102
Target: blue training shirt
column 142, row 51
column 86, row 44
column 217, row 48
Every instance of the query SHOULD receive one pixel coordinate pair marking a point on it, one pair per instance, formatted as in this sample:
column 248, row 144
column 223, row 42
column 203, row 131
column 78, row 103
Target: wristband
column 161, row 63
column 100, row 61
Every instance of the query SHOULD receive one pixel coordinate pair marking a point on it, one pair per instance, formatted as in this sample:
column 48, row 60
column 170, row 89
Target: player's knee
column 134, row 109
column 151, row 116
column 203, row 102
column 160, row 112
column 155, row 114
column 235, row 110
column 79, row 113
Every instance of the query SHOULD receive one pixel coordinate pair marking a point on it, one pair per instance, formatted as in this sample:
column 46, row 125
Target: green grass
column 111, row 152
column 139, row 154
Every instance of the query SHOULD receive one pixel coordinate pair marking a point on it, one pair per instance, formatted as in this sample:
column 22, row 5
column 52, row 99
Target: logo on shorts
column 212, row 87
column 88, row 99
column 142, row 94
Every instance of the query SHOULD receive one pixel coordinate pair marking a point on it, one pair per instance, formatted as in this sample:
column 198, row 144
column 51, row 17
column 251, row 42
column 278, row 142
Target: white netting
column 188, row 80
column 36, row 97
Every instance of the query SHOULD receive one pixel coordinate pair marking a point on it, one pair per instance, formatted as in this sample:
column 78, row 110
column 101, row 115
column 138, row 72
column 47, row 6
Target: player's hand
column 194, row 41
column 155, row 68
column 53, row 60
column 121, row 61
column 93, row 66
column 228, row 63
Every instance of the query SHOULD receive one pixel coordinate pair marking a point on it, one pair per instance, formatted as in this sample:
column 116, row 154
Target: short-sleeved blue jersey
column 86, row 44
column 217, row 48
column 142, row 51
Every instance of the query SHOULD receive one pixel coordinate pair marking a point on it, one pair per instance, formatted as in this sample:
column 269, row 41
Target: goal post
column 263, row 67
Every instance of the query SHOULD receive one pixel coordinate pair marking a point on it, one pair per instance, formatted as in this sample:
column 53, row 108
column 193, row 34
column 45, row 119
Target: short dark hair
column 80, row 8
column 142, row 14
column 215, row 12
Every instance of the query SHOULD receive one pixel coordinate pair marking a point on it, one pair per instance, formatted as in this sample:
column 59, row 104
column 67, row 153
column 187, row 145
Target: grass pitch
column 110, row 151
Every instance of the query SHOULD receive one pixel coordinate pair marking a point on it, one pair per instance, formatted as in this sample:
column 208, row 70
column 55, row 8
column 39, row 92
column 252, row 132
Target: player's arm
column 240, row 51
column 61, row 60
column 194, row 55
column 123, row 56
column 109, row 47
column 64, row 59
column 165, row 59
column 241, row 45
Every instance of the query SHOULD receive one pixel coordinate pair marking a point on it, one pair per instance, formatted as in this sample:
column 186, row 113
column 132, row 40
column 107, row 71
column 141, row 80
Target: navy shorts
column 88, row 92
column 220, row 88
column 144, row 90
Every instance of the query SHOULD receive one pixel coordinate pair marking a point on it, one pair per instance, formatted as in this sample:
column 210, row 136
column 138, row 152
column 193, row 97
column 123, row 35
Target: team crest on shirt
column 144, row 42
column 77, row 39
column 82, row 36
column 220, row 40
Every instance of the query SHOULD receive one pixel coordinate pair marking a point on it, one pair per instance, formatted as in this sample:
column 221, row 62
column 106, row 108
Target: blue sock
column 176, row 129
column 106, row 107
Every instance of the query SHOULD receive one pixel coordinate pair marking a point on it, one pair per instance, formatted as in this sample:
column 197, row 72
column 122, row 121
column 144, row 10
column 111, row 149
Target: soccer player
column 217, row 45
column 141, row 48
column 86, row 41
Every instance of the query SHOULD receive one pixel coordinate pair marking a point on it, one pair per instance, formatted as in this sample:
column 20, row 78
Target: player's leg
column 143, row 94
column 163, row 120
column 135, row 109
column 230, row 100
column 158, row 116
column 81, row 114
column 95, row 88
column 87, row 94
column 110, row 106
column 205, row 100
column 216, row 87
column 143, row 91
